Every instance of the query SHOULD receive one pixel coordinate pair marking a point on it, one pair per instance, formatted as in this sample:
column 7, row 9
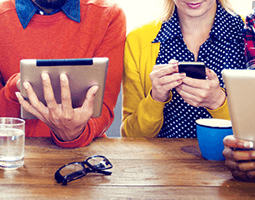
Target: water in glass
column 11, row 148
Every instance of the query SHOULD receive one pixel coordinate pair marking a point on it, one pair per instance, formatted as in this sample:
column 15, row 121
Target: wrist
column 220, row 99
column 161, row 99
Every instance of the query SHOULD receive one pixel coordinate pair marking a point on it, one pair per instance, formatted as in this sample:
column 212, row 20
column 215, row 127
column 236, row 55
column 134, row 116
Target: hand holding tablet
column 64, row 94
column 81, row 73
column 241, row 96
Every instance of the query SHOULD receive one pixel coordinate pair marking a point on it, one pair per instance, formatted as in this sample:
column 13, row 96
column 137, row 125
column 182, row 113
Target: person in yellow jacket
column 157, row 100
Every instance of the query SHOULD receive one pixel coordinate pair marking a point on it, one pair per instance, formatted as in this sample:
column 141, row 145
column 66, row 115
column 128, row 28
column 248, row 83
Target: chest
column 216, row 54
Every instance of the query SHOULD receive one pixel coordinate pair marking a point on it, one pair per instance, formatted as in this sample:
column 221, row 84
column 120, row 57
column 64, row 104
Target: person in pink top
column 240, row 154
column 42, row 29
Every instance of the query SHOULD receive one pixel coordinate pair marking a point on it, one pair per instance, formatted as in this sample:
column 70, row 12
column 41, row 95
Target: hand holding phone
column 193, row 69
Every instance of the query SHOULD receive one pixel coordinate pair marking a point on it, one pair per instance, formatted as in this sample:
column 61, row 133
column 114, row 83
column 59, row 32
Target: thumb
column 211, row 75
column 89, row 101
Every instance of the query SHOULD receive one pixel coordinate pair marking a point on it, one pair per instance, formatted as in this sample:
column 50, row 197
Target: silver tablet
column 240, row 89
column 82, row 74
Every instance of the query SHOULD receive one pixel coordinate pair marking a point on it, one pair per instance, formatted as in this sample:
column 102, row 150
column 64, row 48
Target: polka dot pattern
column 223, row 49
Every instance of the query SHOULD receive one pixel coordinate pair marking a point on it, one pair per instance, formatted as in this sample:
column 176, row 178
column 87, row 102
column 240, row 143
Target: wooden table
column 142, row 169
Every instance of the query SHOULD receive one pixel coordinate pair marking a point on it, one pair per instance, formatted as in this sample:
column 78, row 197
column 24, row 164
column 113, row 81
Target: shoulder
column 102, row 10
column 7, row 5
column 234, row 20
column 145, row 34
column 229, row 26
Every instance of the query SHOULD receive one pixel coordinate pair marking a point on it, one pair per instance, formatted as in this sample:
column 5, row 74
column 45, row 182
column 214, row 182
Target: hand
column 67, row 123
column 202, row 93
column 240, row 158
column 164, row 78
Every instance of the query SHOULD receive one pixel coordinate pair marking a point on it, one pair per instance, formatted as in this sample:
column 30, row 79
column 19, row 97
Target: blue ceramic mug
column 210, row 135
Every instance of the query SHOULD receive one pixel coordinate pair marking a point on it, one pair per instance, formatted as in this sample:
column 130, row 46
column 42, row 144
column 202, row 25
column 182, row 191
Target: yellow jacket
column 143, row 116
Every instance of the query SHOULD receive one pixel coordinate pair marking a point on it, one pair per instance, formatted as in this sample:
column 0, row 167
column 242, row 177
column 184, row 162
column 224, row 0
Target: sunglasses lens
column 99, row 163
column 73, row 171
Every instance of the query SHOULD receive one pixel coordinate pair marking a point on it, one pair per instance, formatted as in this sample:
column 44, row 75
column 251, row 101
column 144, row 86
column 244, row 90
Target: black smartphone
column 193, row 69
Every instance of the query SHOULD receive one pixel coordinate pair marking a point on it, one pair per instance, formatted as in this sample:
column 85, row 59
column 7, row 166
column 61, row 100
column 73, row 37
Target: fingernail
column 63, row 77
column 183, row 74
column 173, row 62
column 25, row 85
column 248, row 144
column 44, row 76
column 17, row 94
column 97, row 88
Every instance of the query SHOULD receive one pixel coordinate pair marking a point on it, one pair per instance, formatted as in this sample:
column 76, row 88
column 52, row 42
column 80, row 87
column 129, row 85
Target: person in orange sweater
column 42, row 29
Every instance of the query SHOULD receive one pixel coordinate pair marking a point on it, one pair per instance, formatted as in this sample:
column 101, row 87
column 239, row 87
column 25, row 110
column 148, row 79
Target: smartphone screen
column 193, row 69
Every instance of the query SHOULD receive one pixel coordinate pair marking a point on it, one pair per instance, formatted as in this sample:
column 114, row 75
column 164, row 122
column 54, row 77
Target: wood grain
column 142, row 169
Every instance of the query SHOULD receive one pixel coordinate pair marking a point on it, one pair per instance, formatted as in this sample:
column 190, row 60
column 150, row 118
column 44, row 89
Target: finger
column 247, row 166
column 228, row 153
column 173, row 61
column 189, row 95
column 176, row 77
column 89, row 101
column 211, row 75
column 48, row 92
column 162, row 70
column 65, row 95
column 193, row 82
column 233, row 142
column 232, row 165
column 244, row 155
column 27, row 106
column 239, row 175
column 250, row 175
column 34, row 101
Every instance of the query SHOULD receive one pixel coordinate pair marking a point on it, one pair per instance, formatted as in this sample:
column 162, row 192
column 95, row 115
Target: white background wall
column 139, row 12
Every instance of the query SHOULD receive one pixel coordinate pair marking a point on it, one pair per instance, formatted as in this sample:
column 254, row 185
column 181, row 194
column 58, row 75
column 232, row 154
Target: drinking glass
column 12, row 142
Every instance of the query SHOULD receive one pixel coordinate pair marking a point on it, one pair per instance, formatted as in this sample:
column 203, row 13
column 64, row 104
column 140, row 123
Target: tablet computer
column 240, row 90
column 81, row 73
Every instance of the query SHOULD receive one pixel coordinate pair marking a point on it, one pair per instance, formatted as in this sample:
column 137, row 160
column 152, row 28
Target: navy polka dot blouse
column 223, row 49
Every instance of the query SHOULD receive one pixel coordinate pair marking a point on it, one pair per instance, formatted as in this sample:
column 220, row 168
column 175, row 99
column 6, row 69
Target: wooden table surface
column 142, row 169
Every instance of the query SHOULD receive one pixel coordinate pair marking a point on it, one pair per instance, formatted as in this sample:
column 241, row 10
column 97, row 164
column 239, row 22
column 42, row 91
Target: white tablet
column 82, row 74
column 240, row 89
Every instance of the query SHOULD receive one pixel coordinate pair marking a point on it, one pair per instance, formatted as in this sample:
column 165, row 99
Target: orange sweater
column 101, row 33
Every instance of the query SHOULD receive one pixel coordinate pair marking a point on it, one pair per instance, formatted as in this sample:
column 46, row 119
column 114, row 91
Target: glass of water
column 12, row 142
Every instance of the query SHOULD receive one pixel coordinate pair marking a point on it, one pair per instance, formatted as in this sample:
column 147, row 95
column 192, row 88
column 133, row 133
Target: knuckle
column 68, row 117
column 49, row 100
column 65, row 97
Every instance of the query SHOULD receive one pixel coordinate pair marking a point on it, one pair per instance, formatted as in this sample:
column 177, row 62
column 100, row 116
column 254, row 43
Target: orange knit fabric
column 101, row 33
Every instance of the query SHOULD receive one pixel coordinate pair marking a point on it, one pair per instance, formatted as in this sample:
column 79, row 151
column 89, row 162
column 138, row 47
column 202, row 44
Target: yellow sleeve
column 221, row 112
column 142, row 116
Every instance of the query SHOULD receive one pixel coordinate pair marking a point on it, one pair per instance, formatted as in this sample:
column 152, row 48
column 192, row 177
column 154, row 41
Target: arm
column 74, row 127
column 112, row 46
column 144, row 92
column 9, row 105
column 142, row 116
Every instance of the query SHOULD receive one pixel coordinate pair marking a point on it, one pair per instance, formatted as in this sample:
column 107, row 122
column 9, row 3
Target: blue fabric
column 223, row 49
column 26, row 10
